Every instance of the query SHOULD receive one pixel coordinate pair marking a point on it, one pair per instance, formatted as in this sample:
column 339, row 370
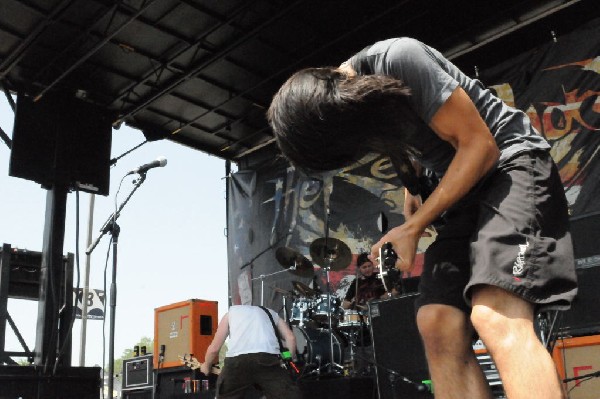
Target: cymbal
column 289, row 258
column 333, row 253
column 283, row 292
column 304, row 289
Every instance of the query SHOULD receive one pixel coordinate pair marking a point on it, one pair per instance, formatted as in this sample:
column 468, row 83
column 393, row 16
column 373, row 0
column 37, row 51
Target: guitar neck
column 194, row 364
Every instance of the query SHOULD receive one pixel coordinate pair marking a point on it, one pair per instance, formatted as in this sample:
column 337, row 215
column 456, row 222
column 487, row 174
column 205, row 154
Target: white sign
column 95, row 304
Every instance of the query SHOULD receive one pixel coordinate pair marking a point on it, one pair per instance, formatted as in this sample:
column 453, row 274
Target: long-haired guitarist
column 505, row 252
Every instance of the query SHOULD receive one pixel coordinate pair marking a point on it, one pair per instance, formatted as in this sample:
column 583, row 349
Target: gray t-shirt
column 432, row 79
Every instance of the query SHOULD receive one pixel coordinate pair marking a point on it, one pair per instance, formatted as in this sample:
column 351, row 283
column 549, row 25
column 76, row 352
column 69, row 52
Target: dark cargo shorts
column 511, row 231
column 261, row 370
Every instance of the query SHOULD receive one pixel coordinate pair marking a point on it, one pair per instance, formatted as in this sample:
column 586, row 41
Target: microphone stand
column 251, row 261
column 328, row 256
column 111, row 226
column 394, row 377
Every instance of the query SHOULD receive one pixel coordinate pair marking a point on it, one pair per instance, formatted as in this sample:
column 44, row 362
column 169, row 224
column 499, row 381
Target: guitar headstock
column 190, row 361
column 387, row 263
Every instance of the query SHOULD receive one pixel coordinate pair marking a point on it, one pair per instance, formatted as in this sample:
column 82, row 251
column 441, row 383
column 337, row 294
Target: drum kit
column 324, row 331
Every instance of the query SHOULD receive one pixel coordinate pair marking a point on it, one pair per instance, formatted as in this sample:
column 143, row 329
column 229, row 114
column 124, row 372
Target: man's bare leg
column 504, row 322
column 455, row 372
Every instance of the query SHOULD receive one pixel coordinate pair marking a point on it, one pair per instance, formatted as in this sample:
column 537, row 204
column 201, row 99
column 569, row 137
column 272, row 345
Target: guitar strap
column 281, row 347
column 285, row 354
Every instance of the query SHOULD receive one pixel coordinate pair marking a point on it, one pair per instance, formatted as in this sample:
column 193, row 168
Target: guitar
column 288, row 364
column 190, row 361
column 387, row 264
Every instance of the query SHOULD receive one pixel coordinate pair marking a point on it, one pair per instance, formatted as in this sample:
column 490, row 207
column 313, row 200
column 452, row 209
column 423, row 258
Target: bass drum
column 313, row 347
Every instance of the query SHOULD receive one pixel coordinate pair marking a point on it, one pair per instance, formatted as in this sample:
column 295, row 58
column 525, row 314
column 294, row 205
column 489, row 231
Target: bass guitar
column 190, row 361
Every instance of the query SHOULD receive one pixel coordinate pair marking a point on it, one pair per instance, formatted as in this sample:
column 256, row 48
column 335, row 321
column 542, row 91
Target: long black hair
column 324, row 119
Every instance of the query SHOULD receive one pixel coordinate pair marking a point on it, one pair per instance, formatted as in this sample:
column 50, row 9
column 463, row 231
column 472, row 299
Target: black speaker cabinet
column 397, row 348
column 584, row 316
column 145, row 393
column 62, row 139
column 585, row 232
column 29, row 382
column 337, row 388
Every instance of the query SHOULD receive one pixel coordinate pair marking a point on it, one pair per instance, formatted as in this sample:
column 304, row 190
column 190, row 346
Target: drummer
column 366, row 287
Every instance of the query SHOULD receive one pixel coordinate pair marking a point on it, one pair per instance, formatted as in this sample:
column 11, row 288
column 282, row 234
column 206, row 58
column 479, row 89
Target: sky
column 171, row 248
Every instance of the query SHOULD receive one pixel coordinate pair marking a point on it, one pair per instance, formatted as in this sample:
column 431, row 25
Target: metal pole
column 86, row 284
column 113, row 308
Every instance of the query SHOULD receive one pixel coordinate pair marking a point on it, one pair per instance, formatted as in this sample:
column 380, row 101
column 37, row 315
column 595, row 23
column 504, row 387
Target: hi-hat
column 294, row 261
column 332, row 253
column 304, row 289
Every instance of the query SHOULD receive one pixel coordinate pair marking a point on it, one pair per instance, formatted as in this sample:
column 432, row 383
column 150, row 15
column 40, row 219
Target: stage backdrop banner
column 558, row 85
column 277, row 207
column 274, row 206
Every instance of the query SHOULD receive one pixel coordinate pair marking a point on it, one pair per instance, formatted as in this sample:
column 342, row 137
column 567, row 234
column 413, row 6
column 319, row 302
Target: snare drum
column 322, row 309
column 351, row 319
column 301, row 309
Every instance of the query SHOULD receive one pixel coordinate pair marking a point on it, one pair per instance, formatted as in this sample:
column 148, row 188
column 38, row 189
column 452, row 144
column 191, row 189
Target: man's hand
column 205, row 368
column 404, row 241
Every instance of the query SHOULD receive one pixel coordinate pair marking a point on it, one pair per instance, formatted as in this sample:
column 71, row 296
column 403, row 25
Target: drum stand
column 355, row 337
column 330, row 366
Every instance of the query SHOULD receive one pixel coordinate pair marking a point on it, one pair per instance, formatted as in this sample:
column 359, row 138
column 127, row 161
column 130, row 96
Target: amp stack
column 489, row 369
column 183, row 330
column 138, row 377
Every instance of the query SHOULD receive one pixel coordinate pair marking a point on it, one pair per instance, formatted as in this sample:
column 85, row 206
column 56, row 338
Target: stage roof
column 202, row 72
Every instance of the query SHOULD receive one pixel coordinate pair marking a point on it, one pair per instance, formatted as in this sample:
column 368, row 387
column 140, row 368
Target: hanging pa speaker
column 398, row 349
column 60, row 139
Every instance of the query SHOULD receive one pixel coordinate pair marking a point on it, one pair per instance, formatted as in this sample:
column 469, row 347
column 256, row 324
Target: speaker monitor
column 62, row 139
column 397, row 348
column 183, row 328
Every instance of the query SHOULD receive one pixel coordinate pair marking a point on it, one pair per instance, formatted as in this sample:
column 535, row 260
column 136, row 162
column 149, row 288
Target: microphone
column 419, row 386
column 158, row 162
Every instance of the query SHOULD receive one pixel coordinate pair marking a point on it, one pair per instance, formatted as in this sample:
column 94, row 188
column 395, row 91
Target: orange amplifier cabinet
column 576, row 357
column 181, row 328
